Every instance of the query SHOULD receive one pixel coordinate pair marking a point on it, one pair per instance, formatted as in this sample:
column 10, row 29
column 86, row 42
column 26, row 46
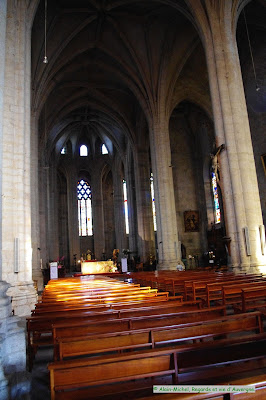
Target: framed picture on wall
column 191, row 220
column 263, row 160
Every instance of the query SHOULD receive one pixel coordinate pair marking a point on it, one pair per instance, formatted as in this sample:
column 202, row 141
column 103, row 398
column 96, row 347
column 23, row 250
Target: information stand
column 53, row 270
column 124, row 264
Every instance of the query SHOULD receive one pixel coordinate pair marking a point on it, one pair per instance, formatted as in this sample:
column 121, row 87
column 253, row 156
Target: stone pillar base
column 176, row 265
column 14, row 379
column 3, row 390
column 3, row 381
column 24, row 297
column 37, row 277
column 249, row 269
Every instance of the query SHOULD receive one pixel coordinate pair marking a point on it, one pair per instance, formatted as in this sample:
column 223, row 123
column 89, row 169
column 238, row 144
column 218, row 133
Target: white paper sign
column 53, row 270
column 124, row 264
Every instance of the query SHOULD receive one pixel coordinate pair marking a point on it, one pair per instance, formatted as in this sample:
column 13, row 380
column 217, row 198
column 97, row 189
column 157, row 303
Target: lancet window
column 84, row 208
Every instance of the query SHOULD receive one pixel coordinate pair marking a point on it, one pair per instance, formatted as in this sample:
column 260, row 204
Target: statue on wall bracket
column 215, row 167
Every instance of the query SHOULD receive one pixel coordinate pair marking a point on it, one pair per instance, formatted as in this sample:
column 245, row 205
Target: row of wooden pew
column 241, row 291
column 111, row 341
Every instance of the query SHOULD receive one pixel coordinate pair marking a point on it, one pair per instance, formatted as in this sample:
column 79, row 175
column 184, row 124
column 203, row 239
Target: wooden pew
column 254, row 299
column 173, row 281
column 215, row 290
column 181, row 363
column 82, row 329
column 84, row 292
column 42, row 308
column 232, row 294
column 39, row 326
column 211, row 290
column 152, row 337
column 108, row 297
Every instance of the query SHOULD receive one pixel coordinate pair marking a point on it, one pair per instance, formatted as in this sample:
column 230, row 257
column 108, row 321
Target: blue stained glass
column 216, row 199
column 153, row 204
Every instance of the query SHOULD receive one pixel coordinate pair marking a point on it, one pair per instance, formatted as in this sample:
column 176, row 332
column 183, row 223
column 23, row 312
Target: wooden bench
column 136, row 321
column 39, row 326
column 183, row 364
column 254, row 299
column 80, row 329
column 215, row 290
column 57, row 295
column 232, row 294
column 157, row 336
column 211, row 290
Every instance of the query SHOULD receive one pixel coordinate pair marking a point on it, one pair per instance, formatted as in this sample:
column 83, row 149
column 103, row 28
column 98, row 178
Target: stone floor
column 40, row 375
column 32, row 385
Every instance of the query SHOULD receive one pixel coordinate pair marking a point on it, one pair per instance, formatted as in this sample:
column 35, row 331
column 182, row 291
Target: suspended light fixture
column 251, row 55
column 45, row 60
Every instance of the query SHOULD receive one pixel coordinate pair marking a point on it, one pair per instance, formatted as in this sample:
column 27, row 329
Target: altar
column 97, row 267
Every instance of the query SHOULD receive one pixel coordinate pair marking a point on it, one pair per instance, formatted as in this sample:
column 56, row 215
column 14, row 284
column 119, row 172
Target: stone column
column 53, row 240
column 131, row 196
column 16, row 184
column 120, row 229
column 3, row 9
column 146, row 237
column 97, row 212
column 73, row 234
column 169, row 251
column 35, row 211
column 217, row 22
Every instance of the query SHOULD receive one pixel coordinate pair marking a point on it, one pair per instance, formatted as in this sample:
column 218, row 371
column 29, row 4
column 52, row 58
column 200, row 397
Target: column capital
column 210, row 15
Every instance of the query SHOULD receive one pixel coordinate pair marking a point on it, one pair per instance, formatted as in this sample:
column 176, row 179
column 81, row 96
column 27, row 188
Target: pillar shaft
column 16, row 171
column 3, row 9
column 74, row 240
column 167, row 235
column 120, row 229
column 217, row 23
column 98, row 216
column 146, row 237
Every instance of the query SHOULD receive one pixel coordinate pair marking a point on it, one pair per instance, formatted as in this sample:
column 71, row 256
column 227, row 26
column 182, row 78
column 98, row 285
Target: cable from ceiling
column 250, row 50
column 45, row 60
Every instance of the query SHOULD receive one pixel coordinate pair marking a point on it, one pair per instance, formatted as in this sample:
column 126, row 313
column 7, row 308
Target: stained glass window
column 83, row 151
column 153, row 203
column 125, row 206
column 104, row 149
column 84, row 208
column 216, row 199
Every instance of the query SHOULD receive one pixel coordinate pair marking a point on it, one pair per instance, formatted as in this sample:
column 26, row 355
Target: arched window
column 216, row 199
column 83, row 151
column 125, row 206
column 104, row 149
column 84, row 208
column 153, row 204
column 63, row 150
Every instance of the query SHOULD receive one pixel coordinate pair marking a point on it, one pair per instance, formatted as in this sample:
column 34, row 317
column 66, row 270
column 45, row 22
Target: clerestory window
column 83, row 151
column 104, row 149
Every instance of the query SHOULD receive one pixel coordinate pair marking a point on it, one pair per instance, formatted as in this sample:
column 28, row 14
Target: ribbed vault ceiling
column 112, row 65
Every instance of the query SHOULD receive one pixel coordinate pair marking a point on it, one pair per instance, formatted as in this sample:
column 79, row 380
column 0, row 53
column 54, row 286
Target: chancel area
column 132, row 149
